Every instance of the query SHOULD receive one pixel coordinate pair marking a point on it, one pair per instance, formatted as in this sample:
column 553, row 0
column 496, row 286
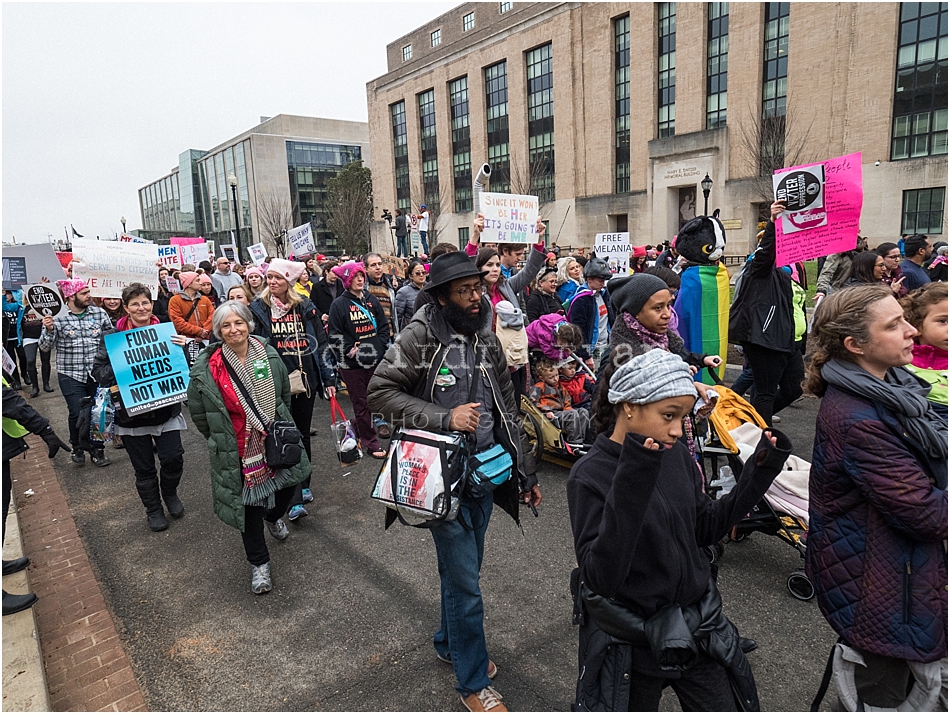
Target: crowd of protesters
column 599, row 355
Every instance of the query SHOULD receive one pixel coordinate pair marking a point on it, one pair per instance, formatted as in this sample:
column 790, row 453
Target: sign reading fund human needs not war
column 110, row 266
column 150, row 370
column 509, row 218
column 823, row 209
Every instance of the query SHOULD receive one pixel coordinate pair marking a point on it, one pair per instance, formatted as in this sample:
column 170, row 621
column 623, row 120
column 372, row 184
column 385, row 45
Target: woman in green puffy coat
column 247, row 493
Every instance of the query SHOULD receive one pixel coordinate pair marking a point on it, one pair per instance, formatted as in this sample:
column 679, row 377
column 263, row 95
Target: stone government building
column 613, row 113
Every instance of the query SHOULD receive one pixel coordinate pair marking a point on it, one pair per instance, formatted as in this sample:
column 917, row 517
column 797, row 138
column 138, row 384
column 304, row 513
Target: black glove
column 53, row 442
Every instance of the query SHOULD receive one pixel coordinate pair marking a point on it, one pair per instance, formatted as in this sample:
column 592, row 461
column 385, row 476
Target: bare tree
column 275, row 216
column 769, row 143
column 350, row 207
column 526, row 178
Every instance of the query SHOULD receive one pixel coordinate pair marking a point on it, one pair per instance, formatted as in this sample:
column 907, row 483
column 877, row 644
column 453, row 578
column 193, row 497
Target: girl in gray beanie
column 640, row 520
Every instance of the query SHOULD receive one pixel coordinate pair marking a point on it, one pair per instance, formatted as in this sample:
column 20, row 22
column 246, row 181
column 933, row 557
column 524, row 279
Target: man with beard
column 75, row 334
column 447, row 345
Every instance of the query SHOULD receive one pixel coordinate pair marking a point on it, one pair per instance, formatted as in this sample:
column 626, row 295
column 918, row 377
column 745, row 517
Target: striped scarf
column 259, row 480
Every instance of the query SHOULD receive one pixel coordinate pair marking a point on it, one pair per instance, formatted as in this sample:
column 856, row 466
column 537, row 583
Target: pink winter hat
column 187, row 279
column 70, row 287
column 289, row 270
column 254, row 271
column 346, row 272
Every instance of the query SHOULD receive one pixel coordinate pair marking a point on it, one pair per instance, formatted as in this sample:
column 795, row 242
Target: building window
column 407, row 53
column 461, row 144
column 540, row 123
column 717, row 54
column 920, row 92
column 463, row 237
column 468, row 22
column 430, row 152
column 666, row 75
column 400, row 155
column 436, row 37
column 923, row 210
column 774, row 87
column 504, row 7
column 310, row 166
column 622, row 104
column 496, row 107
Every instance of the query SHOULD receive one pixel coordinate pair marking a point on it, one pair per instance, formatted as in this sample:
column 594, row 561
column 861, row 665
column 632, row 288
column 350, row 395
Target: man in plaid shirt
column 76, row 334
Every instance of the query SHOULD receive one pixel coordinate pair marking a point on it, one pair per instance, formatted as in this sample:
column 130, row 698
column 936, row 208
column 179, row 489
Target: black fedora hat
column 452, row 266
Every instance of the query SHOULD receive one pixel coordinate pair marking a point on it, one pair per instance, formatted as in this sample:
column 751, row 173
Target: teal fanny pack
column 488, row 470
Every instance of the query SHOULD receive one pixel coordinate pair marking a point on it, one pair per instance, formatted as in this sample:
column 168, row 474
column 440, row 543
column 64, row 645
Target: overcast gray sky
column 99, row 99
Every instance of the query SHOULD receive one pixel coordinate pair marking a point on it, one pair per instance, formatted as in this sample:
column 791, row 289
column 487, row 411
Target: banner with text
column 111, row 266
column 41, row 261
column 615, row 249
column 509, row 218
column 301, row 241
column 168, row 256
column 14, row 273
column 824, row 208
column 192, row 250
column 258, row 253
column 150, row 370
column 229, row 252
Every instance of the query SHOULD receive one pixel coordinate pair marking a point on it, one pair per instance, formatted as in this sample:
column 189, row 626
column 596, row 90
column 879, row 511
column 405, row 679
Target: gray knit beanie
column 651, row 377
column 630, row 293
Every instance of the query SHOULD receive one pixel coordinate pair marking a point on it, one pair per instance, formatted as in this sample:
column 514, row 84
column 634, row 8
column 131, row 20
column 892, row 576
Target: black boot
column 47, row 388
column 156, row 520
column 152, row 500
column 14, row 566
column 35, row 392
column 13, row 604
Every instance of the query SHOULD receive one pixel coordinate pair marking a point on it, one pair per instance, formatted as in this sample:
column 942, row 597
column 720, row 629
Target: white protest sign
column 509, row 218
column 112, row 266
column 193, row 254
column 45, row 299
column 258, row 253
column 124, row 238
column 229, row 252
column 615, row 249
column 9, row 366
column 301, row 240
column 803, row 191
column 168, row 256
column 174, row 285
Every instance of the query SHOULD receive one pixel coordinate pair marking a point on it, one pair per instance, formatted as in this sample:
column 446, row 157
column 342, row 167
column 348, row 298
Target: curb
column 24, row 679
column 87, row 667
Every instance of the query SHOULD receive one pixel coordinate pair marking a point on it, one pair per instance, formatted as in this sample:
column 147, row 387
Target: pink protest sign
column 185, row 240
column 834, row 227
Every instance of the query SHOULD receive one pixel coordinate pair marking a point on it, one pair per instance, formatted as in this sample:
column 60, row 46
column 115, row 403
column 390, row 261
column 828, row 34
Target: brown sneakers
column 486, row 700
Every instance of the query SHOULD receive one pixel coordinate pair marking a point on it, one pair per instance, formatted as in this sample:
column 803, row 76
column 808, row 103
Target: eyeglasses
column 466, row 293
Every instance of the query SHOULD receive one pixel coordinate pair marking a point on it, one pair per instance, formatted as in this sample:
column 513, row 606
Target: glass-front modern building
column 281, row 168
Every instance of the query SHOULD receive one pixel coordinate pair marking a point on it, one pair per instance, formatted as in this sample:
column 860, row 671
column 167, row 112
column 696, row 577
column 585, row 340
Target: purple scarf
column 649, row 339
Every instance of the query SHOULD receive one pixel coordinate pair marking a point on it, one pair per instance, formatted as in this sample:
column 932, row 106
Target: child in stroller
column 554, row 402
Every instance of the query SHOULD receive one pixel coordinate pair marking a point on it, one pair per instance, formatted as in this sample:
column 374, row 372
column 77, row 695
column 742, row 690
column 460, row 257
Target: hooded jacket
column 362, row 320
column 402, row 391
column 877, row 531
column 762, row 311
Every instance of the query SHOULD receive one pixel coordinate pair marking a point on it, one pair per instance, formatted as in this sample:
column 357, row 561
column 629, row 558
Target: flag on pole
column 75, row 232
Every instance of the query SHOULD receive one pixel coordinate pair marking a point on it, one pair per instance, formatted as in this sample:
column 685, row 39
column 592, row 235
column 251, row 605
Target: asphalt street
column 349, row 623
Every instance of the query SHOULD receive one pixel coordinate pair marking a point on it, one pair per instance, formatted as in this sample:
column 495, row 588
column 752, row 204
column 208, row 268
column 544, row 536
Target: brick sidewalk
column 87, row 668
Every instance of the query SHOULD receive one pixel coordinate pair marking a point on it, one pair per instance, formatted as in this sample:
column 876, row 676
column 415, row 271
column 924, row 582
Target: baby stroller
column 544, row 436
column 734, row 429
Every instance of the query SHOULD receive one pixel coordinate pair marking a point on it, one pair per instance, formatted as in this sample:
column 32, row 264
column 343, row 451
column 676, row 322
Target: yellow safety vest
column 11, row 427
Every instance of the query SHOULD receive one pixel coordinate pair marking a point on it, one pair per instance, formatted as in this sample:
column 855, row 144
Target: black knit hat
column 452, row 266
column 630, row 293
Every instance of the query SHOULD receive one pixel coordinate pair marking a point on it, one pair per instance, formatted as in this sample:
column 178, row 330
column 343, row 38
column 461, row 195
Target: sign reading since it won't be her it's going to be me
column 509, row 218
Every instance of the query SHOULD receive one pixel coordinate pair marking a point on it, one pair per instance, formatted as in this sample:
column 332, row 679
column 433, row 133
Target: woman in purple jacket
column 877, row 493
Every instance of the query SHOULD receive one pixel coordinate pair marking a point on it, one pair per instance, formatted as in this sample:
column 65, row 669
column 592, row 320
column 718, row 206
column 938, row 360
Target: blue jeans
column 744, row 380
column 74, row 392
column 422, row 237
column 462, row 634
column 403, row 243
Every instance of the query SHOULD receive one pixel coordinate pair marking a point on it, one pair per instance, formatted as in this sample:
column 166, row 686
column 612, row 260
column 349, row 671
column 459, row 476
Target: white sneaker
column 278, row 528
column 260, row 579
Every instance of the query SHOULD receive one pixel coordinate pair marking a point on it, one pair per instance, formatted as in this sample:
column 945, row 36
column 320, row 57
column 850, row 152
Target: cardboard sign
column 615, row 249
column 258, row 253
column 301, row 240
column 509, row 218
column 832, row 228
column 803, row 192
column 110, row 266
column 168, row 256
column 229, row 252
column 150, row 370
column 14, row 273
column 395, row 266
column 45, row 300
column 41, row 261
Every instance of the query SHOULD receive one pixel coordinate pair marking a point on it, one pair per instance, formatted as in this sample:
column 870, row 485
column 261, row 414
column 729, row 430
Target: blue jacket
column 877, row 531
column 583, row 313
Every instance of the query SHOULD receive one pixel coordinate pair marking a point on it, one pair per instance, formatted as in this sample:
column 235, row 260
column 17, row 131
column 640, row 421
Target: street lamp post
column 706, row 183
column 122, row 220
column 232, row 182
